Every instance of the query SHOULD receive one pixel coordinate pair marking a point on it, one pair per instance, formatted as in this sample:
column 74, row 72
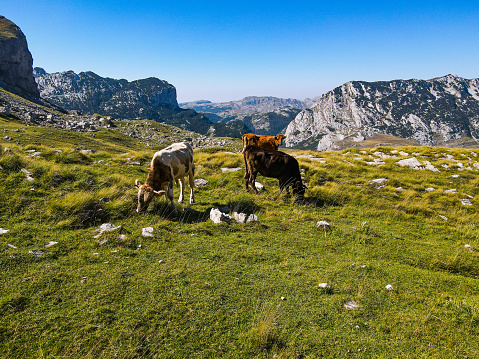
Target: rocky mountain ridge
column 150, row 98
column 265, row 115
column 443, row 111
column 250, row 104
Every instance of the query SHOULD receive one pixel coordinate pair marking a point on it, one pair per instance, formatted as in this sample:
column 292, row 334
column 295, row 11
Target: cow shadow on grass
column 190, row 215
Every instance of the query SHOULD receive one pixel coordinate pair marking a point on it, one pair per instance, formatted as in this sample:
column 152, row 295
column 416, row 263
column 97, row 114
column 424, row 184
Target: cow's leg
column 252, row 180
column 182, row 190
column 192, row 185
column 169, row 193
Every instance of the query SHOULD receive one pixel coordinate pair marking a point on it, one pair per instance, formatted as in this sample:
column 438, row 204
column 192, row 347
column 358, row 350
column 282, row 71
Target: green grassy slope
column 197, row 289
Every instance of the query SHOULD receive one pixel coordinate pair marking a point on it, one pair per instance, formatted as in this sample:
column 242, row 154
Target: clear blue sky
column 226, row 50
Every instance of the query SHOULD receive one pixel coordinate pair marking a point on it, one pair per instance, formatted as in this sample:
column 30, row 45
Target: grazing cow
column 273, row 164
column 170, row 164
column 267, row 142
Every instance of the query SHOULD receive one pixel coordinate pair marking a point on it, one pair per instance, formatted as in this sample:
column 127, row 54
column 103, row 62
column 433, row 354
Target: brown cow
column 273, row 164
column 267, row 142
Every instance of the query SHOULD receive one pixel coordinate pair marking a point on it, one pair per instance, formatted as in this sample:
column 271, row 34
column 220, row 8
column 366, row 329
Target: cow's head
column 145, row 195
column 280, row 139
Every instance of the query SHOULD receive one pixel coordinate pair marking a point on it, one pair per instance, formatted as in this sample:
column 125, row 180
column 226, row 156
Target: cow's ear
column 137, row 183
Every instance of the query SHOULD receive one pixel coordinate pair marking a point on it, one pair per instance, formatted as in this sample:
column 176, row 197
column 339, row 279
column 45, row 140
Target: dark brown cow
column 267, row 142
column 274, row 164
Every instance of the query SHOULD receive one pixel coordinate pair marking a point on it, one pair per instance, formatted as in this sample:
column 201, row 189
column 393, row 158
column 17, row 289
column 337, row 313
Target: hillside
column 443, row 111
column 394, row 275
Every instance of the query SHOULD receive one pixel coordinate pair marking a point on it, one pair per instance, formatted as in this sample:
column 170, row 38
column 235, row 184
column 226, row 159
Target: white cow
column 172, row 163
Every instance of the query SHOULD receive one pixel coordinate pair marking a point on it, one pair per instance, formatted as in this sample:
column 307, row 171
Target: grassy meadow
column 196, row 289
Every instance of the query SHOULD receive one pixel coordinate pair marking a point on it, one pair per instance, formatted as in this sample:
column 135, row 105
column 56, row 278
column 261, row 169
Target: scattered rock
column 378, row 181
column 259, row 186
column 51, row 243
column 28, row 175
column 106, row 227
column 244, row 218
column 283, row 298
column 3, row 231
column 227, row 169
column 217, row 216
column 466, row 202
column 11, row 245
column 37, row 253
column 351, row 305
column 200, row 182
column 324, row 285
column 468, row 246
column 410, row 162
column 389, row 287
column 448, row 191
column 147, row 232
column 430, row 189
column 444, row 217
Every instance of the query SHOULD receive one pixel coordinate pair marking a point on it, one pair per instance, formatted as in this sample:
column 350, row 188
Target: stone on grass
column 227, row 169
column 51, row 243
column 430, row 189
column 106, row 227
column 259, row 186
column 448, row 191
column 147, row 232
column 217, row 216
column 200, row 182
column 244, row 218
column 351, row 305
column 378, row 181
column 324, row 285
column 3, row 231
column 37, row 253
column 466, row 202
column 389, row 287
column 443, row 217
column 11, row 246
column 412, row 162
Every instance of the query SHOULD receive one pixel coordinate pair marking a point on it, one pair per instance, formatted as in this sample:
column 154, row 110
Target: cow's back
column 178, row 157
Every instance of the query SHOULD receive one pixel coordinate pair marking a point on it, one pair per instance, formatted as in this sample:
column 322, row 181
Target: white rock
column 322, row 224
column 378, row 181
column 200, row 182
column 448, row 191
column 3, row 231
column 466, row 202
column 412, row 162
column 323, row 285
column 51, row 243
column 468, row 246
column 444, row 217
column 389, row 287
column 259, row 186
column 351, row 305
column 147, row 232
column 239, row 217
column 227, row 169
column 454, row 176
column 11, row 246
column 252, row 218
column 106, row 227
column 283, row 298
column 217, row 216
column 430, row 189
column 429, row 166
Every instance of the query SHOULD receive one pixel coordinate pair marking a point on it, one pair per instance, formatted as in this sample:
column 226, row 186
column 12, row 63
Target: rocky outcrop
column 90, row 93
column 439, row 112
column 16, row 62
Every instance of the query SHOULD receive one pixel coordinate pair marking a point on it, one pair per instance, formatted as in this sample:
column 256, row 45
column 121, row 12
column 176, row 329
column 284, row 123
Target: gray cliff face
column 440, row 111
column 16, row 62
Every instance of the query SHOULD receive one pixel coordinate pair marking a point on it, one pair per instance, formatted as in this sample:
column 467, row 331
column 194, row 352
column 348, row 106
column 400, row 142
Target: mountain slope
column 441, row 111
